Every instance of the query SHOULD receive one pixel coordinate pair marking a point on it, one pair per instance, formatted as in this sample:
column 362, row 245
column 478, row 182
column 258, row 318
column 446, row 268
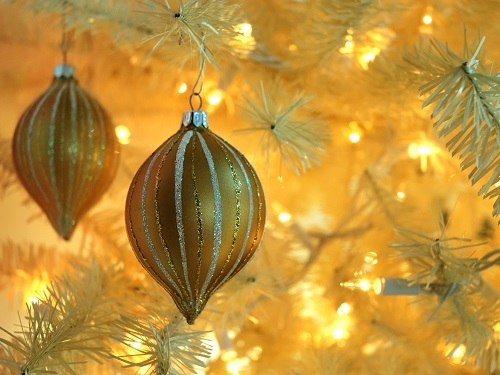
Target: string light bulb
column 215, row 97
column 348, row 46
column 455, row 353
column 339, row 333
column 123, row 134
column 368, row 57
column 284, row 217
column 37, row 284
column 371, row 258
column 427, row 20
column 182, row 88
column 401, row 196
column 361, row 284
column 344, row 309
column 355, row 132
column 421, row 151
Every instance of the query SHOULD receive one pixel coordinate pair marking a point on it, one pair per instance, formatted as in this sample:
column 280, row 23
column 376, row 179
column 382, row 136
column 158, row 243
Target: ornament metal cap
column 63, row 70
column 196, row 118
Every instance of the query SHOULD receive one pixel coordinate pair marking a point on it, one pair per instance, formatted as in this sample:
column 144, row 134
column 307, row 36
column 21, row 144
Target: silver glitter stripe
column 51, row 159
column 250, row 215
column 217, row 215
column 28, row 152
column 145, row 222
column 88, row 103
column 73, row 102
column 179, row 168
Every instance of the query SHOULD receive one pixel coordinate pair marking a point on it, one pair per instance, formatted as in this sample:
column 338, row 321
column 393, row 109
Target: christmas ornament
column 195, row 214
column 65, row 151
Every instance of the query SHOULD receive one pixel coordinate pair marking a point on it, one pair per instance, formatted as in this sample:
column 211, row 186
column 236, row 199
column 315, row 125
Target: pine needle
column 7, row 171
column 91, row 15
column 299, row 139
column 199, row 25
column 466, row 111
column 162, row 346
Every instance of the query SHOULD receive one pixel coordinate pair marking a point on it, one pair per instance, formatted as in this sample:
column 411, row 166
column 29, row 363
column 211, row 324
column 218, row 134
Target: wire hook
column 196, row 92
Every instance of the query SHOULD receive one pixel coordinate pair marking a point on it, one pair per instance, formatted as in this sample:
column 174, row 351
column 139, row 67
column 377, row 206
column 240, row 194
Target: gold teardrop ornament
column 195, row 214
column 65, row 151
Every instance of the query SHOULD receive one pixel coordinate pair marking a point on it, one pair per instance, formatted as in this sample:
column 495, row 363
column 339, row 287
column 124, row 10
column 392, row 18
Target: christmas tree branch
column 467, row 308
column 68, row 318
column 287, row 128
column 466, row 111
column 160, row 345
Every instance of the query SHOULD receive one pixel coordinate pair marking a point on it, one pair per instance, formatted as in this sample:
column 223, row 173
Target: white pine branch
column 466, row 112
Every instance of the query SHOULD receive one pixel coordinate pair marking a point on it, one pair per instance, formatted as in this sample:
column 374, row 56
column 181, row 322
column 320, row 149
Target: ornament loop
column 200, row 100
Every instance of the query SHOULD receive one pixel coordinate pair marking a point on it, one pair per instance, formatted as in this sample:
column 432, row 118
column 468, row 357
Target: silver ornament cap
column 196, row 118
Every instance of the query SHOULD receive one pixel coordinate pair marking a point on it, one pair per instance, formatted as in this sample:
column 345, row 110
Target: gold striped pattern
column 195, row 214
column 65, row 151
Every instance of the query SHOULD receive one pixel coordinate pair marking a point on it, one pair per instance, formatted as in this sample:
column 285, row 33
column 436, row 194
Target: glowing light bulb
column 354, row 137
column 284, row 217
column 347, row 48
column 340, row 333
column 369, row 56
column 182, row 88
column 358, row 284
column 344, row 309
column 255, row 353
column 244, row 29
column 424, row 150
column 355, row 132
column 123, row 134
column 33, row 299
column 215, row 97
column 238, row 364
column 371, row 258
column 416, row 150
column 455, row 353
column 136, row 345
column 427, row 19
column 496, row 327
column 401, row 195
column 292, row 47
column 421, row 151
column 229, row 355
column 38, row 284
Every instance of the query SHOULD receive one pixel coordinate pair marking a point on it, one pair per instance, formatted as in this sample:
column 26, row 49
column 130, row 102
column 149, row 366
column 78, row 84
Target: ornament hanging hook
column 197, row 92
column 66, row 38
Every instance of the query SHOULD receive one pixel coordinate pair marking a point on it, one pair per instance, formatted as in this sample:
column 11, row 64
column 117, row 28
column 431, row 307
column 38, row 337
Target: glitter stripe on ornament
column 199, row 220
column 179, row 169
column 260, row 219
column 223, row 146
column 249, row 218
column 217, row 216
column 28, row 155
column 147, row 233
